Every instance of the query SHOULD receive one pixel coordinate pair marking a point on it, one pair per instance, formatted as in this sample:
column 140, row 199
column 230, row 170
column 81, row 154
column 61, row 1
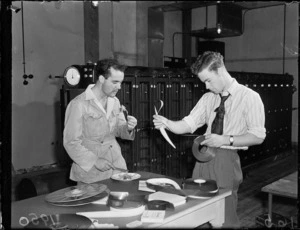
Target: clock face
column 72, row 76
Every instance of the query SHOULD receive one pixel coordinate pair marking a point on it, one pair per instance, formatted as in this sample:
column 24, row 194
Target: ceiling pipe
column 23, row 41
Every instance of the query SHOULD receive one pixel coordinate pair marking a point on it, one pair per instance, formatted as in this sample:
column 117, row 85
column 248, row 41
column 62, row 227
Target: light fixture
column 14, row 8
column 219, row 29
column 95, row 4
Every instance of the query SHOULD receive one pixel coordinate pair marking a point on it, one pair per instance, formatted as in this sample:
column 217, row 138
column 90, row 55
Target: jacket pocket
column 94, row 124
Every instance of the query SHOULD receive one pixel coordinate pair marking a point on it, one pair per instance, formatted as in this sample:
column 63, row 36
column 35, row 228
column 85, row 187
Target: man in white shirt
column 243, row 126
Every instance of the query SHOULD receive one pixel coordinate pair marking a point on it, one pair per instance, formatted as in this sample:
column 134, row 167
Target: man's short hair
column 209, row 59
column 103, row 67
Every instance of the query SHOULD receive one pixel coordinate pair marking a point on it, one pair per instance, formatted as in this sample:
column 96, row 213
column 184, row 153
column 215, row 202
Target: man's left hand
column 131, row 122
column 213, row 140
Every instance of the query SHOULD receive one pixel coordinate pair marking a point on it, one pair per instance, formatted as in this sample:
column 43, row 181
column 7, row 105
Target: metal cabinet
column 276, row 92
column 179, row 92
column 127, row 97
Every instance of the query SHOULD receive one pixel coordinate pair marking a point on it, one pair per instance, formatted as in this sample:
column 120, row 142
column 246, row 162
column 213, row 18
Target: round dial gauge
column 72, row 76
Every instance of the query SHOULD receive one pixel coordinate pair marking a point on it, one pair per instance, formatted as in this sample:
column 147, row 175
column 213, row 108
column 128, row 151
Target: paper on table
column 162, row 129
column 134, row 224
column 103, row 226
column 153, row 216
column 143, row 186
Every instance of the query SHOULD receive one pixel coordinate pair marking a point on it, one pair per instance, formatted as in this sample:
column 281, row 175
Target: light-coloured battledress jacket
column 90, row 133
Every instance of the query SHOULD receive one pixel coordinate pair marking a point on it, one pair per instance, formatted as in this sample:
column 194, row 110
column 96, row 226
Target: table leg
column 270, row 197
column 219, row 219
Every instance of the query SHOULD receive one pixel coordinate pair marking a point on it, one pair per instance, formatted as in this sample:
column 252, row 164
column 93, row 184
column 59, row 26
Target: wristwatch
column 231, row 140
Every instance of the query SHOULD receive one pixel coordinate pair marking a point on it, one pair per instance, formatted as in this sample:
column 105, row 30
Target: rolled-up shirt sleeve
column 197, row 117
column 255, row 116
column 191, row 123
column 72, row 137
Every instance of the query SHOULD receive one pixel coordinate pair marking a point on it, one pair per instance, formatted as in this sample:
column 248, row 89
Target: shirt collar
column 233, row 87
column 89, row 95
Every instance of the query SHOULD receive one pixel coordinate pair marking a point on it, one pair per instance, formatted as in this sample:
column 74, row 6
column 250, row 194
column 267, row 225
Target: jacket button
column 101, row 142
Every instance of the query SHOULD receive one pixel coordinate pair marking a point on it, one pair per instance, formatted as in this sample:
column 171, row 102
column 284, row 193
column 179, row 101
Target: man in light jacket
column 93, row 120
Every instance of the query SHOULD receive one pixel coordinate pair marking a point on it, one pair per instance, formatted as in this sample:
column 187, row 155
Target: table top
column 286, row 186
column 32, row 208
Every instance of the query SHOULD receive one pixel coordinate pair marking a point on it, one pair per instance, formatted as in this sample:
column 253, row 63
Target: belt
column 105, row 141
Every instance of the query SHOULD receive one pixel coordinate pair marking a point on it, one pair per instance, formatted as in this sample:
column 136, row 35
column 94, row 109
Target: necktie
column 217, row 125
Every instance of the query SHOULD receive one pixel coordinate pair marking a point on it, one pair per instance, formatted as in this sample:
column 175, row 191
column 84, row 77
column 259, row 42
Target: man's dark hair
column 209, row 59
column 103, row 67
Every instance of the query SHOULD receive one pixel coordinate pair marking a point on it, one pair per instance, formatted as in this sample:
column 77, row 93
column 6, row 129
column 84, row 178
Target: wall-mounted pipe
column 243, row 18
column 25, row 76
column 23, row 40
column 112, row 32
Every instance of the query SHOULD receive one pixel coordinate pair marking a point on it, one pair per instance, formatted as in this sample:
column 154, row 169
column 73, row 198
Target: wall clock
column 72, row 76
column 79, row 76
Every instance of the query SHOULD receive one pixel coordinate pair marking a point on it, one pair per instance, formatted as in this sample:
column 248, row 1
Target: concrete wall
column 54, row 39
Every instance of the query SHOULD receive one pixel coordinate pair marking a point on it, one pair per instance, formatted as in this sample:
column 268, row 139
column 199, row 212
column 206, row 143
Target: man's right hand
column 103, row 164
column 160, row 121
